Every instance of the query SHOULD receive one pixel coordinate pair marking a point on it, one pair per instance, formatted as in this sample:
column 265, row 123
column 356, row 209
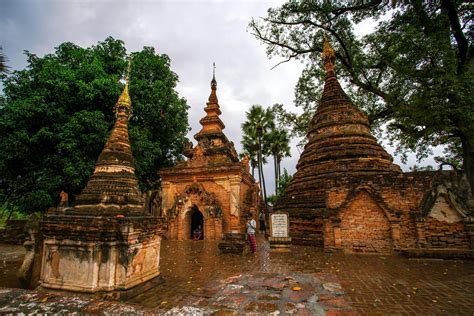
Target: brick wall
column 440, row 234
column 364, row 226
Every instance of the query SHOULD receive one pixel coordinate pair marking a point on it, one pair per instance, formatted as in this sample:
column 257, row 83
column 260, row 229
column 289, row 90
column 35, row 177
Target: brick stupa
column 212, row 189
column 348, row 195
column 340, row 144
column 105, row 243
column 113, row 187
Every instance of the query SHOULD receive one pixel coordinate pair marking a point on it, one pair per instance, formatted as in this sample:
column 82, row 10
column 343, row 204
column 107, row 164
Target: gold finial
column 328, row 55
column 328, row 52
column 124, row 102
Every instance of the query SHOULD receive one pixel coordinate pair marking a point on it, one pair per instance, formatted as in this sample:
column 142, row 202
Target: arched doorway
column 197, row 221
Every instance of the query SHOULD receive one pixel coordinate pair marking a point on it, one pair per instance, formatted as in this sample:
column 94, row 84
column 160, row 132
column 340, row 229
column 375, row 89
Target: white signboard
column 279, row 225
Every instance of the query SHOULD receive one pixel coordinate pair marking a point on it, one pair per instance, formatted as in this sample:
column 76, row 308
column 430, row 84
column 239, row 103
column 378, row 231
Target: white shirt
column 251, row 226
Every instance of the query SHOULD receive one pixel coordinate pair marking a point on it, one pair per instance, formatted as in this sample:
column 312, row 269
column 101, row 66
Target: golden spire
column 328, row 55
column 124, row 103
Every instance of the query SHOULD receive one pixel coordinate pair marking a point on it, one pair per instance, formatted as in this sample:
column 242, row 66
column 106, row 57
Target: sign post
column 279, row 239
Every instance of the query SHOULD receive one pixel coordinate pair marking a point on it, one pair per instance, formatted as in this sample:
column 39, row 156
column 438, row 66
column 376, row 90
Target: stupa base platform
column 98, row 255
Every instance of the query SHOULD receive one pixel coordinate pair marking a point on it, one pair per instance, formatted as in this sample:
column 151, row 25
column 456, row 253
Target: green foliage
column 13, row 214
column 271, row 199
column 57, row 113
column 413, row 74
column 283, row 183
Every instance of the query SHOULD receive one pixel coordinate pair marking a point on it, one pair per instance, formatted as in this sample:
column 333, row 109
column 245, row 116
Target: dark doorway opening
column 197, row 224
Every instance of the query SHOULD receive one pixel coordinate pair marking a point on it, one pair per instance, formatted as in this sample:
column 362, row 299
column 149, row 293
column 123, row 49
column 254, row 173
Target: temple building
column 348, row 194
column 106, row 242
column 212, row 191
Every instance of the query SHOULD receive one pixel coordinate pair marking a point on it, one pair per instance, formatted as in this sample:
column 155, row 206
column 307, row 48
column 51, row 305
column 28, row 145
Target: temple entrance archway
column 196, row 220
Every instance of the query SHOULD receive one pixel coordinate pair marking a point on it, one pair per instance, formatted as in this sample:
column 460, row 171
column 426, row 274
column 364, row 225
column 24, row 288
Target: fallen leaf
column 296, row 288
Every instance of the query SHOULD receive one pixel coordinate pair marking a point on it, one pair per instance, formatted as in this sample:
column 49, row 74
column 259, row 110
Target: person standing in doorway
column 251, row 227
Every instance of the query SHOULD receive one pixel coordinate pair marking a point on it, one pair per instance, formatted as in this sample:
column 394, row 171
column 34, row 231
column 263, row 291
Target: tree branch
column 463, row 44
column 284, row 61
column 363, row 6
column 321, row 26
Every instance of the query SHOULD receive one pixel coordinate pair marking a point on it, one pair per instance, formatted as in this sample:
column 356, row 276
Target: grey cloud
column 193, row 33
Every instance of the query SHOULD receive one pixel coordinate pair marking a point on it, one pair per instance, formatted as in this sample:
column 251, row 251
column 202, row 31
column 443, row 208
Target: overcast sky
column 194, row 34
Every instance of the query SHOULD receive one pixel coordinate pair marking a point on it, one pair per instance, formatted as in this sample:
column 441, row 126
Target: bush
column 16, row 214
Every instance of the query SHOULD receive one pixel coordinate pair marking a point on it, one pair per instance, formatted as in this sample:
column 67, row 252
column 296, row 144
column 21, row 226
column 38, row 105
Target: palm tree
column 3, row 62
column 279, row 147
column 258, row 124
column 251, row 152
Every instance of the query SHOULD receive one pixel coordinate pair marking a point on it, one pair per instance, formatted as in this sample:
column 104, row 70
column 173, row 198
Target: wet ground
column 374, row 284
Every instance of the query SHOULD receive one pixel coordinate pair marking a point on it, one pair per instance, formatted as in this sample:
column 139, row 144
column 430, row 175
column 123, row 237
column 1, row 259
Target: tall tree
column 279, row 147
column 255, row 136
column 57, row 114
column 413, row 73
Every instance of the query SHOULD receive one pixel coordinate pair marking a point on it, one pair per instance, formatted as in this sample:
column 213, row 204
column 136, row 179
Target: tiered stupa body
column 340, row 143
column 347, row 194
column 212, row 189
column 113, row 187
column 211, row 138
column 106, row 243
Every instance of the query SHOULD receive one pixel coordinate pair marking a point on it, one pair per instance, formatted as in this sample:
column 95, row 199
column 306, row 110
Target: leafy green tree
column 256, row 135
column 57, row 113
column 283, row 182
column 413, row 74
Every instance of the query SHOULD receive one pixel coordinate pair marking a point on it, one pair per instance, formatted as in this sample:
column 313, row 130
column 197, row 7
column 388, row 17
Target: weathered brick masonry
column 348, row 194
column 212, row 188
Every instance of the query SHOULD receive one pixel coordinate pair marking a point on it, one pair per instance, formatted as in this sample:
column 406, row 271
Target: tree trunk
column 260, row 166
column 275, row 168
column 279, row 168
column 263, row 181
column 468, row 159
column 259, row 175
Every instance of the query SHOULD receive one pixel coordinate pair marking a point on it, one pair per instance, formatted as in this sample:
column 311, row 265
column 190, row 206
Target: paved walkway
column 374, row 284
